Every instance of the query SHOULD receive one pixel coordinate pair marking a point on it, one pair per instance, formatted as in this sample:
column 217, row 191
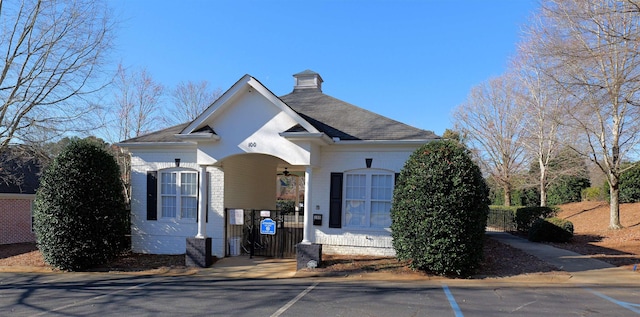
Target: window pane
column 169, row 207
column 356, row 186
column 381, row 187
column 355, row 212
column 380, row 216
column 188, row 184
column 168, row 184
column 189, row 207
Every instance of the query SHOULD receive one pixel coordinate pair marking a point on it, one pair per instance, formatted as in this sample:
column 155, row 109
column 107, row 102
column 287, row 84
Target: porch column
column 202, row 203
column 308, row 212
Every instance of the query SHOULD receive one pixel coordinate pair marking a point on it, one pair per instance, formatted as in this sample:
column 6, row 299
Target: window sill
column 176, row 220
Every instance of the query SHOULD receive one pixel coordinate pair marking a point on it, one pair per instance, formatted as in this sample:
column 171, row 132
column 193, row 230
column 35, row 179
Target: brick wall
column 15, row 219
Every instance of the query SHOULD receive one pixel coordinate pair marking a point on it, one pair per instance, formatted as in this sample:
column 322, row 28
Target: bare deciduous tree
column 52, row 53
column 490, row 121
column 137, row 103
column 541, row 103
column 190, row 100
column 591, row 49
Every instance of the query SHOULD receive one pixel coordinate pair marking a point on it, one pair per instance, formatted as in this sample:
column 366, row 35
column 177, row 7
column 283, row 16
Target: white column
column 306, row 233
column 202, row 204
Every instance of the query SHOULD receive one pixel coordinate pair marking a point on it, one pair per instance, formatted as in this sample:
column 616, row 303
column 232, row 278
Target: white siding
column 169, row 236
column 359, row 241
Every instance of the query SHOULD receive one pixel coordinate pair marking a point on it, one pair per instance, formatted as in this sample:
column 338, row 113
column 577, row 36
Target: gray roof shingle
column 337, row 118
column 331, row 116
column 164, row 135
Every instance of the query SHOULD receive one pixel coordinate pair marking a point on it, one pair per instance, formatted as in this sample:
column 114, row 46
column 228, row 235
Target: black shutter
column 335, row 201
column 152, row 195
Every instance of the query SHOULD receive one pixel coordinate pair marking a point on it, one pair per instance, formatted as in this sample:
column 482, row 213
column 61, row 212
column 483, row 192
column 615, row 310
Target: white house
column 185, row 177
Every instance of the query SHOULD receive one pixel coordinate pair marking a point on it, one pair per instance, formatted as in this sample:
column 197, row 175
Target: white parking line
column 293, row 301
column 452, row 301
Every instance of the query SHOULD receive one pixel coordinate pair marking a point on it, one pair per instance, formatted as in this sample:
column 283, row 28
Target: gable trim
column 238, row 88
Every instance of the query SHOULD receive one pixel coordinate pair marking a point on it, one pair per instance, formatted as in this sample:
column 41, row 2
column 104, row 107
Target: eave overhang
column 198, row 137
column 313, row 137
column 161, row 145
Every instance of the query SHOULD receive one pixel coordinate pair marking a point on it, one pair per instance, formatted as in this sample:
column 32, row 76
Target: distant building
column 19, row 180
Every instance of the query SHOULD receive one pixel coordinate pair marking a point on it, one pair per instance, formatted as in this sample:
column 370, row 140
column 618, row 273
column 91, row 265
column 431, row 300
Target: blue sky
column 412, row 61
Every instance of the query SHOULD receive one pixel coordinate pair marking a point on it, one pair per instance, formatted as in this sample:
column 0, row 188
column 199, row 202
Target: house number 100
column 253, row 144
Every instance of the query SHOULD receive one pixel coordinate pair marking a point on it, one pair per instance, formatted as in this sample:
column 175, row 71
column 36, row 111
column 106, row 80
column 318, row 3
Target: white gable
column 248, row 118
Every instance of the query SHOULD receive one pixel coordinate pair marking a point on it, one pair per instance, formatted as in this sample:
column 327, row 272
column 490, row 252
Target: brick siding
column 15, row 220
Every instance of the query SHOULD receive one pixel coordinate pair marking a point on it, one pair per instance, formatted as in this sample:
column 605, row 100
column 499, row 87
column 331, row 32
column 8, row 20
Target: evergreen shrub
column 593, row 194
column 567, row 189
column 80, row 219
column 551, row 230
column 526, row 216
column 439, row 210
column 630, row 185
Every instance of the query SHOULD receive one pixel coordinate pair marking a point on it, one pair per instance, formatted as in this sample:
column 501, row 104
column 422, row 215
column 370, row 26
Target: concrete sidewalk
column 251, row 268
column 582, row 268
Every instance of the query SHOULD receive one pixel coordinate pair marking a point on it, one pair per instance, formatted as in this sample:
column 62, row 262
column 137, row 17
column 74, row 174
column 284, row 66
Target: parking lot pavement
column 86, row 294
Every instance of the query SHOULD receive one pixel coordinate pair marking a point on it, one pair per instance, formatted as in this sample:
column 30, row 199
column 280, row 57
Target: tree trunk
column 614, row 213
column 507, row 195
column 543, row 187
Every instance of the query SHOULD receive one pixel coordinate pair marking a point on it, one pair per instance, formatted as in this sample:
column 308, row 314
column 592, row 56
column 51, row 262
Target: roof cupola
column 308, row 79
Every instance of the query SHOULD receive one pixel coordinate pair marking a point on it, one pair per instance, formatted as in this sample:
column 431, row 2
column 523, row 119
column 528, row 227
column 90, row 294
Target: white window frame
column 178, row 194
column 362, row 218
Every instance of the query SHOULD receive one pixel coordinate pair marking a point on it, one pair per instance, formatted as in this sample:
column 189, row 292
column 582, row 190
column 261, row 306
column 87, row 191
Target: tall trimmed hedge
column 80, row 219
column 439, row 211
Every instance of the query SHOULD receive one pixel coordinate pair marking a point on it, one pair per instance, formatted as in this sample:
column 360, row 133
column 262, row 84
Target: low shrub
column 593, row 194
column 551, row 230
column 525, row 216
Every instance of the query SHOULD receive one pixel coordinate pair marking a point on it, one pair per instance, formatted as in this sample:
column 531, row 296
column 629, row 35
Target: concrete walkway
column 251, row 268
column 582, row 268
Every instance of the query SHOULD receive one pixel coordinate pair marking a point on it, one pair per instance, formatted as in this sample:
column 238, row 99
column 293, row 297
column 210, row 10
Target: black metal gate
column 281, row 244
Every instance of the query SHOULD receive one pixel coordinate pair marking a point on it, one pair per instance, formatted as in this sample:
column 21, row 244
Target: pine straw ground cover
column 592, row 238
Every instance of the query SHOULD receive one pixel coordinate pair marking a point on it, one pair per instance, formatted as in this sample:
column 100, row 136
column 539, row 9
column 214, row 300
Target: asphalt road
column 98, row 294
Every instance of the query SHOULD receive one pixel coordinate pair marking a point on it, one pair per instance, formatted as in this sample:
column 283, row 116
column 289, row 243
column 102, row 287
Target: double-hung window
column 367, row 199
column 178, row 194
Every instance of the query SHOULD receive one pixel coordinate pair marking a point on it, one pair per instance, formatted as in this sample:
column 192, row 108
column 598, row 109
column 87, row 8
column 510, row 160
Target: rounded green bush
column 439, row 211
column 80, row 218
column 525, row 216
column 551, row 230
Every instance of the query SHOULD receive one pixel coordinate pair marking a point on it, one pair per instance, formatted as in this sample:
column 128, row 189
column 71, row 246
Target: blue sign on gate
column 267, row 226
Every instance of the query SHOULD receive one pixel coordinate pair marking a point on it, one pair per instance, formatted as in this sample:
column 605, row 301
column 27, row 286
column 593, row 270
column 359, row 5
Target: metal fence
column 501, row 220
column 281, row 243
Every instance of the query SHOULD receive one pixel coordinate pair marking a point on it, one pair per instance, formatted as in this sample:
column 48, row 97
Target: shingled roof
column 165, row 135
column 339, row 119
column 331, row 116
column 19, row 171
